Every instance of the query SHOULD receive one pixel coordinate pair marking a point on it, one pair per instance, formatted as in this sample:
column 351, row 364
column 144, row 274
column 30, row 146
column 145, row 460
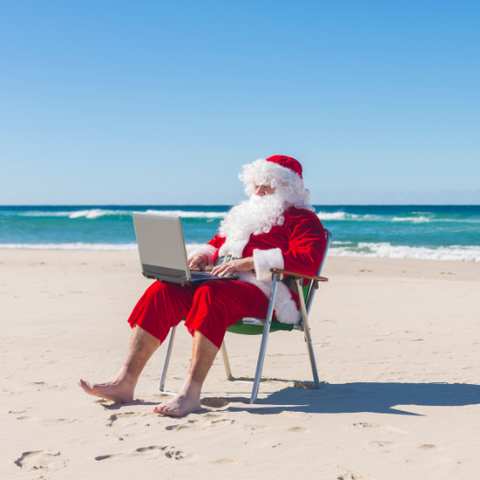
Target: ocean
column 424, row 232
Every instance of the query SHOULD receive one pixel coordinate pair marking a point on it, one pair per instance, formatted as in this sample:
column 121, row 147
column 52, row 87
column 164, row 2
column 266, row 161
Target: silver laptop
column 162, row 250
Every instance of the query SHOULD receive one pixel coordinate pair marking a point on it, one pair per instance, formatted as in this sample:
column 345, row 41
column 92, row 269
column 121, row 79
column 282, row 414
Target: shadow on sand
column 364, row 397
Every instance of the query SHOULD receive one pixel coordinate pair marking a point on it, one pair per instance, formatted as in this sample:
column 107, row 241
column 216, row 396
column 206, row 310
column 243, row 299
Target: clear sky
column 161, row 102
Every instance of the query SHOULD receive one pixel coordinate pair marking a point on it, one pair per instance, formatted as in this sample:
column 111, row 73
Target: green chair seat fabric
column 246, row 329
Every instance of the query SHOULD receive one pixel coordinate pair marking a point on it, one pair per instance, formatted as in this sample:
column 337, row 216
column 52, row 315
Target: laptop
column 161, row 247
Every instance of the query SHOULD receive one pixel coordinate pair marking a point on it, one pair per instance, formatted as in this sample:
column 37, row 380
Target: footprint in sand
column 178, row 455
column 383, row 443
column 150, row 448
column 208, row 422
column 106, row 457
column 184, row 426
column 257, row 427
column 40, row 459
column 19, row 412
column 220, row 423
column 386, row 444
column 225, row 461
column 214, row 415
column 389, row 428
column 430, row 446
column 299, row 430
column 153, row 451
column 124, row 419
column 352, row 476
column 50, row 421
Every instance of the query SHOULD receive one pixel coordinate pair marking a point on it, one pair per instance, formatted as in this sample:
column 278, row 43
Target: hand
column 240, row 265
column 199, row 260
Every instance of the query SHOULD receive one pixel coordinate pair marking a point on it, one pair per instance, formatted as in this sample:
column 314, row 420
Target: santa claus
column 274, row 228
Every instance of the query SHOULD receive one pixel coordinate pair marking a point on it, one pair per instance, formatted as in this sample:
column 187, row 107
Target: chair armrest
column 299, row 275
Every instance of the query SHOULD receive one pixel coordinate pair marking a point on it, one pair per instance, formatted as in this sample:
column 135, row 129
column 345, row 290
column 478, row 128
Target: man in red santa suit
column 274, row 228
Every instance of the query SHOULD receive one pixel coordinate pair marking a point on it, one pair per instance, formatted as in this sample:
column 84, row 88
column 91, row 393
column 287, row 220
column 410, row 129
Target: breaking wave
column 98, row 212
column 380, row 250
column 386, row 250
column 187, row 214
column 69, row 246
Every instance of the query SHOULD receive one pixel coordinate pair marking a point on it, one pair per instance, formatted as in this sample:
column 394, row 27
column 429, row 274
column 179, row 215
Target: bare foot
column 180, row 405
column 118, row 392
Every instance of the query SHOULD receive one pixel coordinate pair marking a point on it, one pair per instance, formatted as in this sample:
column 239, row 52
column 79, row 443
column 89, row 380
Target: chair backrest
column 308, row 294
column 309, row 290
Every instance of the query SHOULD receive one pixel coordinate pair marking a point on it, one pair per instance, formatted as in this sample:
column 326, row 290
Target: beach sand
column 396, row 341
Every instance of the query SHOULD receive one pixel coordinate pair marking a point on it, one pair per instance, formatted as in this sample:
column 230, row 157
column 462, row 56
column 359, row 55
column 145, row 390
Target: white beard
column 256, row 215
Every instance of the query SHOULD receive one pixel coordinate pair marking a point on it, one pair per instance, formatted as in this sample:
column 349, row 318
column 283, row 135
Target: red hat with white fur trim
column 280, row 172
column 287, row 162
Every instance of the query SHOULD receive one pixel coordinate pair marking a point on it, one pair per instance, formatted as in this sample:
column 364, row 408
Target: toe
column 159, row 409
column 83, row 384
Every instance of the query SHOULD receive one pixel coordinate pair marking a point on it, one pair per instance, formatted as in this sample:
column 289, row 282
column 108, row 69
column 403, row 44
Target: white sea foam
column 93, row 213
column 386, row 250
column 187, row 214
column 382, row 250
column 43, row 214
column 332, row 216
column 412, row 219
column 98, row 212
column 343, row 216
column 80, row 246
column 337, row 216
column 69, row 246
column 88, row 213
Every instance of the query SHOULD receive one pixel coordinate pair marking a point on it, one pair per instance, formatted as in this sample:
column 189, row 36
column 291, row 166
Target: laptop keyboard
column 209, row 276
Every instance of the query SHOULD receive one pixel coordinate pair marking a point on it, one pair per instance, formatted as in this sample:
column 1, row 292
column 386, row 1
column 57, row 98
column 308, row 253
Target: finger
column 228, row 271
column 218, row 269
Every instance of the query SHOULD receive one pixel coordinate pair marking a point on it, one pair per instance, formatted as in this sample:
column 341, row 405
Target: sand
column 396, row 343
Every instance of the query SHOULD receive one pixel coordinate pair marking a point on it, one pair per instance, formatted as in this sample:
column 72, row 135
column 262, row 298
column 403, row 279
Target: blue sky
column 156, row 102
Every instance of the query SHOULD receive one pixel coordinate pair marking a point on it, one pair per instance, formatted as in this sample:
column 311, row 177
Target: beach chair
column 255, row 326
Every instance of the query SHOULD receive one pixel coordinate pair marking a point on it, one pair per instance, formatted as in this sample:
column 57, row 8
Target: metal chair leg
column 168, row 354
column 306, row 330
column 263, row 345
column 228, row 371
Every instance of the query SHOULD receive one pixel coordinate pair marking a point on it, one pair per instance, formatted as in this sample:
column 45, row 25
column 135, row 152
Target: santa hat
column 287, row 162
column 272, row 171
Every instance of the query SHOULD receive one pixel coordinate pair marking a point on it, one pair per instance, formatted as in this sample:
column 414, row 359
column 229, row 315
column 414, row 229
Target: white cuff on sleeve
column 208, row 250
column 264, row 260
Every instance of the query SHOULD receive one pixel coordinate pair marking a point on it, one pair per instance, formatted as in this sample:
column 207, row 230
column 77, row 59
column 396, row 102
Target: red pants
column 209, row 307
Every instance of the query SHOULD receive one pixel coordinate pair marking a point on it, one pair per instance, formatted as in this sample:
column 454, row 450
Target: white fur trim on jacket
column 264, row 260
column 208, row 250
column 285, row 307
column 234, row 246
